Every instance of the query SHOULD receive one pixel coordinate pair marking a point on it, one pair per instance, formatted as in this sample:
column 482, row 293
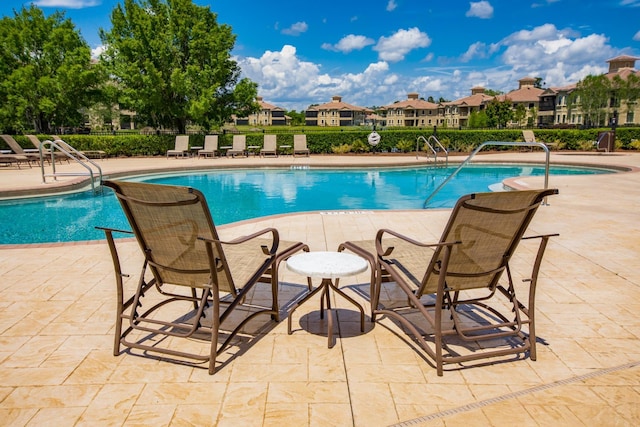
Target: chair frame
column 448, row 297
column 129, row 308
column 181, row 148
column 239, row 146
column 300, row 145
column 270, row 145
column 20, row 155
column 210, row 148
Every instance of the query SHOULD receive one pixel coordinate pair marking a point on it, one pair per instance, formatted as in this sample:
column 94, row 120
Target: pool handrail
column 72, row 154
column 500, row 143
column 427, row 142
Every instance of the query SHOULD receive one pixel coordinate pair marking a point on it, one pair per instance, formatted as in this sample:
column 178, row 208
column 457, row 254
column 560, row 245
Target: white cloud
column 296, row 29
column 96, row 52
column 481, row 9
column 394, row 48
column 69, row 4
column 476, row 50
column 349, row 43
column 632, row 3
column 558, row 56
column 289, row 82
column 391, row 6
column 636, row 37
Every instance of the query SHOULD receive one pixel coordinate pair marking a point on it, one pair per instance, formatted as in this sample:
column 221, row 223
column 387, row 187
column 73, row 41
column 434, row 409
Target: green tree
column 532, row 117
column 297, row 119
column 172, row 61
column 46, row 75
column 492, row 92
column 478, row 120
column 628, row 91
column 520, row 114
column 539, row 82
column 499, row 113
column 592, row 94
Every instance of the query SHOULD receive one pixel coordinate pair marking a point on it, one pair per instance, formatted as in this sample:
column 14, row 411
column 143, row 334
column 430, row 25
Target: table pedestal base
column 325, row 285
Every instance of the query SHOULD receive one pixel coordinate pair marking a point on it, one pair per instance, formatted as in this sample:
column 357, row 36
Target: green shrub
column 359, row 147
column 405, row 145
column 341, row 149
column 336, row 140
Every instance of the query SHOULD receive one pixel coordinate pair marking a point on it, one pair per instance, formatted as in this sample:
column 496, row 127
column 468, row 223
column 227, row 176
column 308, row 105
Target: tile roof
column 337, row 104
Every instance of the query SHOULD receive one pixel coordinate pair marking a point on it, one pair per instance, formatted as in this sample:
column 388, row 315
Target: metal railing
column 427, row 142
column 501, row 143
column 49, row 147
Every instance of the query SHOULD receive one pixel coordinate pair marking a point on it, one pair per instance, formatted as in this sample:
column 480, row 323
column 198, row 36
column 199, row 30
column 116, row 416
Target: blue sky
column 374, row 52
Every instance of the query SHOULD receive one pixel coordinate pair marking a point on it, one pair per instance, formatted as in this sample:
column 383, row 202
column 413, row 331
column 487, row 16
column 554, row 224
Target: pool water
column 235, row 195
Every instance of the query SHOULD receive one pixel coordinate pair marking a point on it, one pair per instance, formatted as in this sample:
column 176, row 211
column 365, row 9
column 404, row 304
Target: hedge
column 323, row 142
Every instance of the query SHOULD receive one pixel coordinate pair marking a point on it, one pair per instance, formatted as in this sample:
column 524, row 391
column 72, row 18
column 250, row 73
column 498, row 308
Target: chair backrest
column 34, row 140
column 13, row 144
column 528, row 136
column 239, row 142
column 167, row 221
column 182, row 142
column 270, row 142
column 489, row 227
column 210, row 142
column 300, row 142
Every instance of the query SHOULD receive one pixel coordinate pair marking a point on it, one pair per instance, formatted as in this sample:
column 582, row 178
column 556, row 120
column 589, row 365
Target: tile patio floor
column 57, row 313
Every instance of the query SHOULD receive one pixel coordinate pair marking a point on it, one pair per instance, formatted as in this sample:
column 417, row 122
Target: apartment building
column 413, row 112
column 336, row 113
column 527, row 99
column 456, row 113
column 269, row 115
column 556, row 109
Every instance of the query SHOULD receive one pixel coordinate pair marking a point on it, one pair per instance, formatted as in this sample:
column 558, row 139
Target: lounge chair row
column 32, row 155
column 449, row 286
column 239, row 147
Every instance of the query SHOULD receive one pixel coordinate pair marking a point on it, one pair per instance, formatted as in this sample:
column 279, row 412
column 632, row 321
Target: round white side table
column 327, row 266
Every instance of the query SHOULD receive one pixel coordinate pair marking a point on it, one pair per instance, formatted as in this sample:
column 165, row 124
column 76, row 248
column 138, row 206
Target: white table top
column 326, row 265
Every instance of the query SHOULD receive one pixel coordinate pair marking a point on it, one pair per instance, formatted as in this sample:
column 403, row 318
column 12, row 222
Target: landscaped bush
column 323, row 140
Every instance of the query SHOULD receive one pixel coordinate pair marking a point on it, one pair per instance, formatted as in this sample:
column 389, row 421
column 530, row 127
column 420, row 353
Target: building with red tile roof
column 336, row 113
column 413, row 112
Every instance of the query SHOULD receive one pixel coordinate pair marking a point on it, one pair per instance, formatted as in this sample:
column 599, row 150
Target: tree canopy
column 499, row 113
column 171, row 60
column 592, row 94
column 46, row 75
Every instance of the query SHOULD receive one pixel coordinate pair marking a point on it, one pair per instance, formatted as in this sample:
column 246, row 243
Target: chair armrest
column 113, row 230
column 243, row 239
column 389, row 250
column 540, row 236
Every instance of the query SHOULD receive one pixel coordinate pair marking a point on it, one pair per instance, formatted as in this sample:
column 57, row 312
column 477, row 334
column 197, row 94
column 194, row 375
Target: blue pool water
column 235, row 195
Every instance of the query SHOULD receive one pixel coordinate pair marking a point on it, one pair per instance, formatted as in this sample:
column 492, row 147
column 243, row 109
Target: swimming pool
column 239, row 194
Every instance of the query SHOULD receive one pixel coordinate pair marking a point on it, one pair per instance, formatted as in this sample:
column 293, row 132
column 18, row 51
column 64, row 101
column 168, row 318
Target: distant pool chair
column 300, row 145
column 270, row 146
column 239, row 147
column 210, row 148
column 181, row 148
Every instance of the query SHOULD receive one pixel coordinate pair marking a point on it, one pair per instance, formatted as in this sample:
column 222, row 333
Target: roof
column 266, row 106
column 524, row 94
column 415, row 104
column 623, row 58
column 474, row 100
column 339, row 105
